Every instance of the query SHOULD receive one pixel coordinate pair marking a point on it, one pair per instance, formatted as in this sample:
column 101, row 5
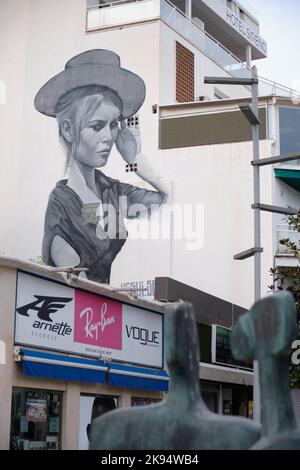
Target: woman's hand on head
column 128, row 142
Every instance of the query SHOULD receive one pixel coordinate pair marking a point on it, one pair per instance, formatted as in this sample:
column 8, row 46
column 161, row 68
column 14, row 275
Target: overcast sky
column 280, row 27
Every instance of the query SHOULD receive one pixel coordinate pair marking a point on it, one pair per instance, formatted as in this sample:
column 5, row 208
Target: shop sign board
column 54, row 316
column 221, row 350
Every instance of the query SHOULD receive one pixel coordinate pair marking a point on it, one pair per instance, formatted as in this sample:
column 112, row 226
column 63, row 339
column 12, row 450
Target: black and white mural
column 95, row 102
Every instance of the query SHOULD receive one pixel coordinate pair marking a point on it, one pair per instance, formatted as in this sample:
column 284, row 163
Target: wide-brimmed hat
column 93, row 67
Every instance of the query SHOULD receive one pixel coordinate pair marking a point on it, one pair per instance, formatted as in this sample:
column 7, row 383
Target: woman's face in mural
column 99, row 135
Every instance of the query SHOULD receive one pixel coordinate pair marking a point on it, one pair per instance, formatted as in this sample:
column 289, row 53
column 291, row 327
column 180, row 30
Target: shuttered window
column 184, row 74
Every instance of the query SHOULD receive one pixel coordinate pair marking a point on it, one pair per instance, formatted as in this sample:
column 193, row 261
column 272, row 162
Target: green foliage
column 289, row 278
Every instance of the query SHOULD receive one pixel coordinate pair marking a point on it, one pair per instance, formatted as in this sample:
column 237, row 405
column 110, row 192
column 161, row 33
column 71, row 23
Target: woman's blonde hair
column 78, row 106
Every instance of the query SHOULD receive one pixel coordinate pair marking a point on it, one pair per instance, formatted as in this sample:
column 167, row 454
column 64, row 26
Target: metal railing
column 98, row 5
column 175, row 18
column 284, row 232
column 269, row 87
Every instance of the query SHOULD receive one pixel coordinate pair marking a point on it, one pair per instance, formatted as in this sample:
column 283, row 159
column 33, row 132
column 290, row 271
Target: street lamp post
column 251, row 113
column 257, row 235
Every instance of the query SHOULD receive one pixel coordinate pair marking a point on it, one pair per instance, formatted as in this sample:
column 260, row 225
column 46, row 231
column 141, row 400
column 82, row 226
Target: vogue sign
column 54, row 316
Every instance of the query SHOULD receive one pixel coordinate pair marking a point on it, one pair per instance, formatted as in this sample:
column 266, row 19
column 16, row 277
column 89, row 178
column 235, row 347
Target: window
column 184, row 74
column 242, row 15
column 35, row 419
column 210, row 394
column 289, row 125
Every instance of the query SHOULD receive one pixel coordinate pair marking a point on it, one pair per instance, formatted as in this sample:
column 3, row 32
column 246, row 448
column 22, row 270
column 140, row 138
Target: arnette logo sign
column 58, row 317
column 44, row 306
column 246, row 31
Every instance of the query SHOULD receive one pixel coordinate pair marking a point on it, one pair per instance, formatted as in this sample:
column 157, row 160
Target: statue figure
column 265, row 334
column 182, row 421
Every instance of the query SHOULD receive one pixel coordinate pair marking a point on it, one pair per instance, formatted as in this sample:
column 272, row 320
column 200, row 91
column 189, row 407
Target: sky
column 280, row 27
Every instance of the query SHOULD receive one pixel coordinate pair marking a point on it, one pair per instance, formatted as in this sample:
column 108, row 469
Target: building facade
column 194, row 138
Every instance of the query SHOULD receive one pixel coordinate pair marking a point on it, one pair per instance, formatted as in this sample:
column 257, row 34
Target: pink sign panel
column 98, row 321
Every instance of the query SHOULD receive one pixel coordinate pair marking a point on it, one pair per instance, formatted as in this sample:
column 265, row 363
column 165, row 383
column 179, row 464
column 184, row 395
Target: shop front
column 226, row 384
column 74, row 350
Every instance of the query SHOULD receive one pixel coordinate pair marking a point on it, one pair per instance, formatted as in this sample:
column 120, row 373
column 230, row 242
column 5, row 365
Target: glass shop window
column 35, row 420
column 289, row 125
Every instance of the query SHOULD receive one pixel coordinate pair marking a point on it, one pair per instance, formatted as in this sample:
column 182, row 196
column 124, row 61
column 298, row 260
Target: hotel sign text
column 246, row 31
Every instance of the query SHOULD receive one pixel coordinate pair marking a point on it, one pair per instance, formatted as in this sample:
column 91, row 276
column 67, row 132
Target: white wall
column 203, row 66
column 220, row 178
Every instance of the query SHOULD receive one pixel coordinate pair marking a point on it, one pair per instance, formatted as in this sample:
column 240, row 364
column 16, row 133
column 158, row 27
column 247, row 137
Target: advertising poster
column 91, row 407
column 54, row 316
column 36, row 410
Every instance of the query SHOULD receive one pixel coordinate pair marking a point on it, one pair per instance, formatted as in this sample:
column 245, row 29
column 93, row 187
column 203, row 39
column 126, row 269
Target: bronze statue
column 182, row 421
column 265, row 334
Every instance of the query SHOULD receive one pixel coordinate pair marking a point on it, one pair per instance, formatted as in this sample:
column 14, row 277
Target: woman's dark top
column 66, row 217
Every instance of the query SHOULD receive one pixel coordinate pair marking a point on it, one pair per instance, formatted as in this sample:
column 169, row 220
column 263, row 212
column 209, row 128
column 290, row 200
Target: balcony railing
column 268, row 87
column 127, row 12
column 284, row 232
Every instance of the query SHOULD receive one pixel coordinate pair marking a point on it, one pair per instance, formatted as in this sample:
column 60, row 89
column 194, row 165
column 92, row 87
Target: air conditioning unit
column 198, row 22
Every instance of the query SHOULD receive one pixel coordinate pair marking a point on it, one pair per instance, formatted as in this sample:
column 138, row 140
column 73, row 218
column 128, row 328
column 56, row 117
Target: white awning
column 225, row 374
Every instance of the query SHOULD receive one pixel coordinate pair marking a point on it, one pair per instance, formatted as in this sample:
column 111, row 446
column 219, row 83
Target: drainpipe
column 188, row 8
column 249, row 56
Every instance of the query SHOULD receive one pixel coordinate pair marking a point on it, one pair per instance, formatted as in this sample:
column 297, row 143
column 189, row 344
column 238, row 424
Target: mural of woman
column 94, row 100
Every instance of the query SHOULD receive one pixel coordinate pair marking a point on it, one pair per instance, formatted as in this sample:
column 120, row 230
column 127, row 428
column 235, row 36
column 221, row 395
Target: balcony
column 123, row 12
column 284, row 257
column 126, row 12
column 234, row 28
